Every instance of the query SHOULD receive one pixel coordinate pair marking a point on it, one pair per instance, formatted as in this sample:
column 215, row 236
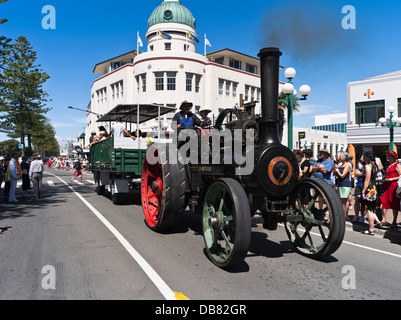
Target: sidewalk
column 393, row 234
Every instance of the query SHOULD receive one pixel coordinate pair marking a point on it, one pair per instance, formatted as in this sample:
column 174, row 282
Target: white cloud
column 3, row 136
column 71, row 122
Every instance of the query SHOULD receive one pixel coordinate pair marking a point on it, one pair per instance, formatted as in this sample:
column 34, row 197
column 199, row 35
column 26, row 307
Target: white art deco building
column 170, row 71
column 371, row 102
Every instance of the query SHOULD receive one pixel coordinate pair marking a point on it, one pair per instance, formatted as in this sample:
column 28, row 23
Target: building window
column 186, row 47
column 151, row 48
column 369, row 111
column 167, row 46
column 137, row 84
column 189, row 81
column 165, row 77
column 235, row 64
column 101, row 95
column 399, row 107
column 115, row 65
column 143, row 78
column 228, row 85
column 221, row 84
column 159, row 76
column 117, row 90
column 246, row 92
column 197, row 82
column 171, row 80
column 219, row 60
column 235, row 86
column 251, row 68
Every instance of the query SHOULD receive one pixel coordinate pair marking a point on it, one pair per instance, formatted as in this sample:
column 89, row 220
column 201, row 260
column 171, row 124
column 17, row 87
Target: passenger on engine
column 118, row 130
column 185, row 118
column 204, row 111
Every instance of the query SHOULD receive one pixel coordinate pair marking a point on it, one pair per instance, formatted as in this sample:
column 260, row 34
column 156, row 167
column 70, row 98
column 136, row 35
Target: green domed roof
column 171, row 11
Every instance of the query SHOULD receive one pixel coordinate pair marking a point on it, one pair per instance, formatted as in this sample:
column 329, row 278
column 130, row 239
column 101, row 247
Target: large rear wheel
column 163, row 188
column 321, row 229
column 226, row 222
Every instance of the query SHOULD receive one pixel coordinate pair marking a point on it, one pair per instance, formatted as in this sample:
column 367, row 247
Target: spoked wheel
column 163, row 187
column 321, row 230
column 226, row 222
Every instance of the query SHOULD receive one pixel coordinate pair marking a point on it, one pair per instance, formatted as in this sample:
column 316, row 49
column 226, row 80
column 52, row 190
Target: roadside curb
column 392, row 234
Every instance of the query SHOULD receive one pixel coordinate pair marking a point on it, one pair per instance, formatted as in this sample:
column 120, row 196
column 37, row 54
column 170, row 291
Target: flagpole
column 186, row 41
column 137, row 43
column 205, row 44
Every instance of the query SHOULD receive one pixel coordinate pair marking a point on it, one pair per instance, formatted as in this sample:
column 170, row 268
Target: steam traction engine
column 310, row 209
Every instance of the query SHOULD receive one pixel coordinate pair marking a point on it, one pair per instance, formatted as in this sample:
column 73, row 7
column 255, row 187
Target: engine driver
column 185, row 118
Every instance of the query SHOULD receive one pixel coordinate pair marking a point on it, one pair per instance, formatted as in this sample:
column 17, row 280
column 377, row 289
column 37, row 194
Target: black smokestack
column 269, row 78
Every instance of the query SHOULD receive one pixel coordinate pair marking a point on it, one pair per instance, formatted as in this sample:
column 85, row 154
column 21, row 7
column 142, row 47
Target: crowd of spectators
column 371, row 188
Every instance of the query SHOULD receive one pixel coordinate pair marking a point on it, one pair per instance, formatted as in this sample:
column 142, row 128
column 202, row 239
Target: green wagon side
column 104, row 157
column 117, row 163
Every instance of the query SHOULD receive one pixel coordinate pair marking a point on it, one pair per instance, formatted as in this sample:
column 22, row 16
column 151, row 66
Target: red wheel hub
column 152, row 192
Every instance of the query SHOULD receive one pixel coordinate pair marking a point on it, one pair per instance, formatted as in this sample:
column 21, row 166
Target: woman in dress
column 389, row 199
column 78, row 170
column 343, row 181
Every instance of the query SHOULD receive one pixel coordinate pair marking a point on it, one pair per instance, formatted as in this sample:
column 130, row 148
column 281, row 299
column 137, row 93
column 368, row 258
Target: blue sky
column 309, row 33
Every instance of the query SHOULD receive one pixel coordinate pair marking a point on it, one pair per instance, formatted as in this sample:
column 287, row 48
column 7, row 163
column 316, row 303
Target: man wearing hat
column 35, row 174
column 324, row 166
column 204, row 111
column 185, row 118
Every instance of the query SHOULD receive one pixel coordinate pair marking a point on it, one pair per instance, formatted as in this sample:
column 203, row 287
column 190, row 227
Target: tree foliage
column 22, row 97
column 9, row 147
column 3, row 20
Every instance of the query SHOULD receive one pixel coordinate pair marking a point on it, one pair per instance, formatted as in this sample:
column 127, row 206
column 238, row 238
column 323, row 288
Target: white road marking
column 372, row 249
column 151, row 273
column 50, row 183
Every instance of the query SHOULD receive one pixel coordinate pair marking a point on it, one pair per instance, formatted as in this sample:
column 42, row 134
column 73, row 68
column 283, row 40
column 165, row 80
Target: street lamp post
column 87, row 111
column 290, row 98
column 390, row 123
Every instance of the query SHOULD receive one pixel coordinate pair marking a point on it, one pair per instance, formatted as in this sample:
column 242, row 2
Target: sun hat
column 392, row 153
column 36, row 155
column 204, row 109
column 186, row 103
column 324, row 150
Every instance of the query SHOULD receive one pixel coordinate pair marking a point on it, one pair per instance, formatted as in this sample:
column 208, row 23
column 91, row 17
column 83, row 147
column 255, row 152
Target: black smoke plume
column 307, row 29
